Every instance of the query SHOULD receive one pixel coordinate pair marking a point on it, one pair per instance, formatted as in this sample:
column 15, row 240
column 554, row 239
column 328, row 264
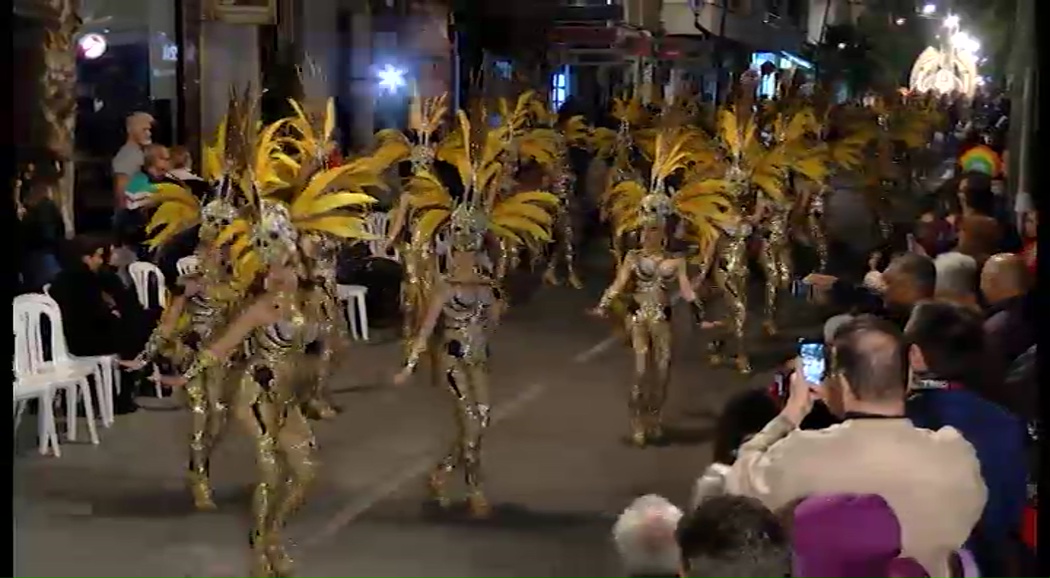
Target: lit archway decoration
column 944, row 71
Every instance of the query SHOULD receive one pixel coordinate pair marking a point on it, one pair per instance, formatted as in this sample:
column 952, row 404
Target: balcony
column 748, row 23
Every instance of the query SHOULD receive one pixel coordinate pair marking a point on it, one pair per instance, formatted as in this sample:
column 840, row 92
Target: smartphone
column 811, row 357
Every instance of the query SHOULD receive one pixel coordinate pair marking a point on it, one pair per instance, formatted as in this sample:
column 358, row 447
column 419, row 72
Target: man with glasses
column 931, row 478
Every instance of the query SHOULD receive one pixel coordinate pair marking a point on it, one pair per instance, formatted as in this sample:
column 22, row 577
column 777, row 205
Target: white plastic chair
column 352, row 297
column 47, row 289
column 187, row 265
column 142, row 273
column 42, row 390
column 105, row 367
column 61, row 372
column 378, row 225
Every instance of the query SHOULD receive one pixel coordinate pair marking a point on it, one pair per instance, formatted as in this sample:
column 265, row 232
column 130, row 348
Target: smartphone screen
column 811, row 355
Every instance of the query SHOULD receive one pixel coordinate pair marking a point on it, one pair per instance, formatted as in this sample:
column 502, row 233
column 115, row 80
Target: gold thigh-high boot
column 817, row 234
column 476, row 421
column 771, row 287
column 734, row 291
column 660, row 335
column 439, row 475
column 569, row 246
column 318, row 401
column 636, row 402
column 258, row 416
column 296, row 448
column 197, row 392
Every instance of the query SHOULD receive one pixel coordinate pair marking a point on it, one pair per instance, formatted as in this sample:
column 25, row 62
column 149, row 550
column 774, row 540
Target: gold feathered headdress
column 478, row 155
column 700, row 201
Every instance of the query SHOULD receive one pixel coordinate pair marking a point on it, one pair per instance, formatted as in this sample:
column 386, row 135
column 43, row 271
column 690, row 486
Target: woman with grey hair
column 644, row 535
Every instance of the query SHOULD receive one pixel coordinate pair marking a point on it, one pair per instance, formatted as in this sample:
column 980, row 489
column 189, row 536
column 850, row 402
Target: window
column 560, row 87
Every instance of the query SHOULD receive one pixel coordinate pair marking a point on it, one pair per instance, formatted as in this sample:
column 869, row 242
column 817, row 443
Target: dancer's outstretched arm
column 419, row 345
column 623, row 277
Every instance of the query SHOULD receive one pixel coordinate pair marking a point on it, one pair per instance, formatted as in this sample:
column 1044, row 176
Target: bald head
column 1004, row 276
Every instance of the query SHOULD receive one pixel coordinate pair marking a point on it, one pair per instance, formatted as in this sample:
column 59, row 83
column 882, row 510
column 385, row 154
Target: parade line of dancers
column 254, row 324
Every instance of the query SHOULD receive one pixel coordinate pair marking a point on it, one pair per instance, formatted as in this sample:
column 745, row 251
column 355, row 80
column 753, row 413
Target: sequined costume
column 465, row 305
column 332, row 331
column 203, row 303
column 649, row 275
column 419, row 257
column 573, row 132
column 281, row 318
column 776, row 261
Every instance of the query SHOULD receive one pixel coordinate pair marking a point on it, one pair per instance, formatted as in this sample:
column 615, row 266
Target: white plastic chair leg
column 351, row 318
column 104, row 393
column 20, row 407
column 89, row 408
column 71, row 411
column 46, row 428
column 155, row 378
column 362, row 315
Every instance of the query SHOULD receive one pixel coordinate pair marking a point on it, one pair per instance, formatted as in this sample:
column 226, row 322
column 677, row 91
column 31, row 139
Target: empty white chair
column 61, row 372
column 148, row 278
column 42, row 390
column 378, row 225
column 352, row 298
column 187, row 265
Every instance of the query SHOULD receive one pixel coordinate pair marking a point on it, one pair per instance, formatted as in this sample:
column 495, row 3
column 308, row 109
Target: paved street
column 558, row 470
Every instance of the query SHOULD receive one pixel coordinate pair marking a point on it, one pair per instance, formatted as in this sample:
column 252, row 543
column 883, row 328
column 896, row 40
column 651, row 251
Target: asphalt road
column 557, row 466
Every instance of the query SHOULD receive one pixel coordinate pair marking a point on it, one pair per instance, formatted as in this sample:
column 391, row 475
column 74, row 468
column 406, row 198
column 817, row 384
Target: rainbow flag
column 981, row 159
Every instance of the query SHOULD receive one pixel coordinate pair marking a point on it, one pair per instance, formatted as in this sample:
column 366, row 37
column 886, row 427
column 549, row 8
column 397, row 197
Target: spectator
column 957, row 279
column 712, row 483
column 645, row 538
column 733, row 536
column 946, row 359
column 132, row 232
column 908, row 279
column 979, row 232
column 93, row 320
column 182, row 165
column 933, row 232
column 848, row 536
column 43, row 231
column 1009, row 328
column 932, row 479
column 130, row 157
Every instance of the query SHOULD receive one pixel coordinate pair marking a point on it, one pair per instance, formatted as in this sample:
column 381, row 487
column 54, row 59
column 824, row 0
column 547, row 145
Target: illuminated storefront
column 782, row 61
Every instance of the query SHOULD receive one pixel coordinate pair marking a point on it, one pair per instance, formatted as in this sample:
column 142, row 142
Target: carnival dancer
column 570, row 132
column 465, row 305
column 844, row 144
column 753, row 169
column 649, row 275
column 278, row 324
column 204, row 299
column 419, row 257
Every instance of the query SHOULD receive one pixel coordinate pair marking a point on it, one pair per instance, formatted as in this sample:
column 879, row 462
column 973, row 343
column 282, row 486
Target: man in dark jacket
column 908, row 279
column 945, row 355
column 1009, row 328
column 98, row 317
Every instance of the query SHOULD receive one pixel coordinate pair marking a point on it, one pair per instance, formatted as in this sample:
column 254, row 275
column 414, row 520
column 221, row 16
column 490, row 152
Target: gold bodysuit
column 269, row 408
column 776, row 262
column 462, row 339
column 649, row 327
column 730, row 275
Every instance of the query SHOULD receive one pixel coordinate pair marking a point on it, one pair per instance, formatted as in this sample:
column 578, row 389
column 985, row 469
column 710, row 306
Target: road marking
column 415, row 469
column 598, row 349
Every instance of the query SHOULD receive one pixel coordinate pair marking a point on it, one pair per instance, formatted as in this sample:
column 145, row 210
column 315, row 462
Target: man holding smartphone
column 931, row 479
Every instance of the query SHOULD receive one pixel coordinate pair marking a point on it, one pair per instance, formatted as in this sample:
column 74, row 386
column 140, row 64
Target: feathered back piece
column 427, row 117
column 701, row 201
column 179, row 210
column 479, row 152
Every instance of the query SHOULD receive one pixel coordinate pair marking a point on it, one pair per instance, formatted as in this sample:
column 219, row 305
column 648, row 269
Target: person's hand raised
column 801, row 395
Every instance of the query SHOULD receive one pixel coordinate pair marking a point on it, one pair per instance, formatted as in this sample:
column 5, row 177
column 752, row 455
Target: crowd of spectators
column 914, row 456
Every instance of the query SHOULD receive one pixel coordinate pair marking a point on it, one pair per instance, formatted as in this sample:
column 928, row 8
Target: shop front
column 782, row 61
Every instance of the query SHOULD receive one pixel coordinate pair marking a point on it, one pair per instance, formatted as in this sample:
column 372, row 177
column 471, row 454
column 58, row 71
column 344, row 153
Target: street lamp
column 900, row 22
column 928, row 9
column 391, row 78
column 951, row 22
